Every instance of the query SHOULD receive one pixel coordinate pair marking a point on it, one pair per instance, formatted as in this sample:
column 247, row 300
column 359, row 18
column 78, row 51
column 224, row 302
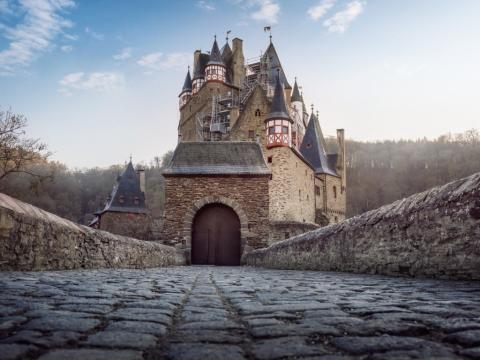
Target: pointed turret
column 278, row 122
column 295, row 93
column 226, row 52
column 200, row 61
column 215, row 70
column 271, row 58
column 186, row 90
column 278, row 109
column 127, row 195
column 313, row 147
column 296, row 110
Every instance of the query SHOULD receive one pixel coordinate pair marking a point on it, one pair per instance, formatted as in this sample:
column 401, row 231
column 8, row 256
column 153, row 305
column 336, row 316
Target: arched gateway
column 216, row 236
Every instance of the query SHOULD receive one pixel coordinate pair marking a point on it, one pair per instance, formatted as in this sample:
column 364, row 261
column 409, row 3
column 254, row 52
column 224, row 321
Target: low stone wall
column 33, row 239
column 281, row 230
column 434, row 234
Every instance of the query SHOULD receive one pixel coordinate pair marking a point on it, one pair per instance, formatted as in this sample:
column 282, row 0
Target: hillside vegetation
column 377, row 173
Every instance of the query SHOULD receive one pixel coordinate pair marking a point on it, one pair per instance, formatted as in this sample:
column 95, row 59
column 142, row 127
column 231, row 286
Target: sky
column 99, row 80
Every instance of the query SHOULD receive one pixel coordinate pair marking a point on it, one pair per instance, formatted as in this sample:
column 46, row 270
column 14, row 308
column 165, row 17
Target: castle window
column 121, row 199
column 317, row 190
column 287, row 235
column 335, row 192
column 271, row 130
column 299, row 194
column 284, row 129
column 257, row 112
column 136, row 200
column 270, row 159
column 251, row 134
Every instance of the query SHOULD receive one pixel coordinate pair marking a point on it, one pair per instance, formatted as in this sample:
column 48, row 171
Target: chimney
column 141, row 177
column 238, row 62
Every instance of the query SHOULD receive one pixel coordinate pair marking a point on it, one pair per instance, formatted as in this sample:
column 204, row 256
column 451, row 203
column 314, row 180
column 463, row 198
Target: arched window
column 335, row 192
column 257, row 112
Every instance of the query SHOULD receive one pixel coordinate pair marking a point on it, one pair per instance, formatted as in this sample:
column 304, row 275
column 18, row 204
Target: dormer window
column 121, row 199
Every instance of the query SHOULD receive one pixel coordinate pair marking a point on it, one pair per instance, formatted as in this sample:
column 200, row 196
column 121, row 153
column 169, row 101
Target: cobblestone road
column 234, row 313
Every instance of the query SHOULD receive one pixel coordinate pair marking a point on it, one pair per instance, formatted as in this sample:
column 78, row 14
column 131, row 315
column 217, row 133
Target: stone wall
column 292, row 196
column 138, row 226
column 281, row 230
column 246, row 195
column 33, row 239
column 435, row 234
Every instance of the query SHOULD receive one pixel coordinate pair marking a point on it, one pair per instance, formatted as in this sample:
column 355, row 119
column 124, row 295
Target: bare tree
column 18, row 153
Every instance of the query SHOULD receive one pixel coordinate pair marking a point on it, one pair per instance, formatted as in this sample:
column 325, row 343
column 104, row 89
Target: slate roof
column 217, row 158
column 278, row 109
column 215, row 55
column 187, row 85
column 274, row 64
column 313, row 148
column 296, row 93
column 125, row 192
column 199, row 66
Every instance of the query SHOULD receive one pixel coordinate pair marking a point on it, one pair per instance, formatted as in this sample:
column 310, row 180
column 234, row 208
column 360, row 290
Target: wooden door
column 216, row 236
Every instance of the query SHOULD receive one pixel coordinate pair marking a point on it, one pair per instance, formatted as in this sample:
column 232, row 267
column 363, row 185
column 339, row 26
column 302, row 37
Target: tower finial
column 130, row 157
column 228, row 32
column 311, row 108
column 215, row 37
column 317, row 113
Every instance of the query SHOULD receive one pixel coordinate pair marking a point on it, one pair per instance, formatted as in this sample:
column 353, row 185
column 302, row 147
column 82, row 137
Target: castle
column 251, row 166
column 247, row 143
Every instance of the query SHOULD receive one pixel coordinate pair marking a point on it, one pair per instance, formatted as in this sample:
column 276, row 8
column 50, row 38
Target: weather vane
column 269, row 30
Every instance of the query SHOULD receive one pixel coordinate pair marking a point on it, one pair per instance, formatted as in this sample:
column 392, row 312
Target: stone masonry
column 33, row 239
column 246, row 195
column 435, row 233
column 235, row 313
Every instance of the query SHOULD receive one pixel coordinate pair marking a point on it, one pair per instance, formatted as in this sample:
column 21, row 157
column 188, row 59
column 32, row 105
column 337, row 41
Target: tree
column 19, row 153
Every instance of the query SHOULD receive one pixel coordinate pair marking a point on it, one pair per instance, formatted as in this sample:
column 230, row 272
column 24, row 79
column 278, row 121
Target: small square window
column 270, row 159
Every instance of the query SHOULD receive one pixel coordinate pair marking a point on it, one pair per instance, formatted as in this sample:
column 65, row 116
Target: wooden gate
column 216, row 236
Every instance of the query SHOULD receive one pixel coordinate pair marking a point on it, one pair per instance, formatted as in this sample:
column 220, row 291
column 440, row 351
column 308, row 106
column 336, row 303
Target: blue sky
column 99, row 80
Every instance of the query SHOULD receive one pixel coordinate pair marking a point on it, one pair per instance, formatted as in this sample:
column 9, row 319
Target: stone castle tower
column 228, row 102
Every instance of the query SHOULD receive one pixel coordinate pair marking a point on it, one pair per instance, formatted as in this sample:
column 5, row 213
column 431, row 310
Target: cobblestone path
column 234, row 313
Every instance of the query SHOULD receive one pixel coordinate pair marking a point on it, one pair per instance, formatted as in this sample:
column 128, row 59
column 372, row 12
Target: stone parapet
column 431, row 234
column 33, row 239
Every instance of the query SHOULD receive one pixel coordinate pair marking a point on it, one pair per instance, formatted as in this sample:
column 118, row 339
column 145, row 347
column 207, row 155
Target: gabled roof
column 295, row 93
column 187, row 85
column 199, row 66
column 278, row 109
column 217, row 158
column 313, row 148
column 215, row 55
column 126, row 195
column 274, row 63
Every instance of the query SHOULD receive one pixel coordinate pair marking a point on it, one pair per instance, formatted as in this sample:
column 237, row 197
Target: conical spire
column 313, row 147
column 278, row 110
column 187, row 85
column 127, row 195
column 295, row 93
column 215, row 55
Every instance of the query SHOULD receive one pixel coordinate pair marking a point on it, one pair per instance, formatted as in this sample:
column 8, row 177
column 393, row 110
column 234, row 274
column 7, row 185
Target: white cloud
column 160, row 61
column 98, row 81
column 94, row 34
column 267, row 11
column 204, row 5
column 66, row 48
column 41, row 22
column 70, row 37
column 318, row 11
column 125, row 54
column 341, row 20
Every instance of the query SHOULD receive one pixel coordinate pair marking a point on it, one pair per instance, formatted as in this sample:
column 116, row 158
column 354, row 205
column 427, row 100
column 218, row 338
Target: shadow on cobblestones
column 234, row 313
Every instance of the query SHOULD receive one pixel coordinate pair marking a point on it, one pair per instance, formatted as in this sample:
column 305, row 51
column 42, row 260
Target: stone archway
column 216, row 236
column 190, row 216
